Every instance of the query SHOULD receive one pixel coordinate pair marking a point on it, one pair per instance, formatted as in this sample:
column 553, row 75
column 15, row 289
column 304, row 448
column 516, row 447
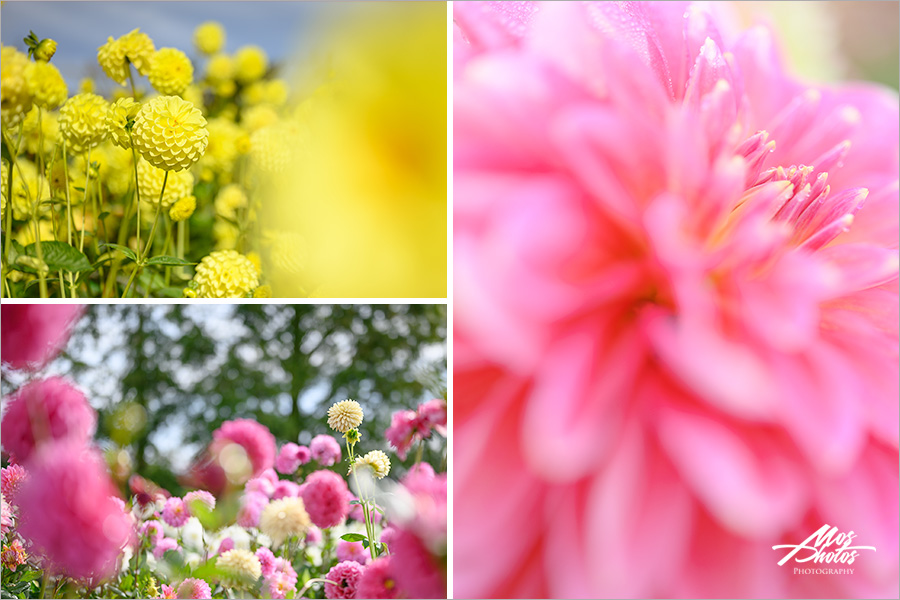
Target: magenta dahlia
column 675, row 308
column 255, row 438
column 324, row 494
column 343, row 580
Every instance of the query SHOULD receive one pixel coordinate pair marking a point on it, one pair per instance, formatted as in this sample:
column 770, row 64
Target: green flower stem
column 143, row 255
column 137, row 186
column 42, row 279
column 370, row 527
column 69, row 221
column 7, row 227
column 179, row 249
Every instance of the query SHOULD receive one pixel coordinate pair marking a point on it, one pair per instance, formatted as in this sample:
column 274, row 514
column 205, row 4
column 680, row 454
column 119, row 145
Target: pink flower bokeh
column 68, row 511
column 253, row 437
column 33, row 334
column 45, row 410
column 675, row 308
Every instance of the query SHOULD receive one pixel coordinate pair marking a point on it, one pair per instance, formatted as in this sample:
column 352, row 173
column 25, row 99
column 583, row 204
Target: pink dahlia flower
column 194, row 588
column 168, row 591
column 285, row 489
column 6, row 516
column 227, row 544
column 255, row 438
column 33, row 334
column 68, row 514
column 287, row 460
column 303, row 454
column 152, row 530
column 284, row 569
column 351, row 551
column 165, row 545
column 345, row 577
column 313, row 534
column 419, row 573
column 401, row 433
column 252, row 505
column 196, row 499
column 377, row 579
column 325, row 450
column 676, row 308
column 11, row 480
column 324, row 494
column 260, row 485
column 45, row 410
column 174, row 512
column 280, row 586
column 266, row 561
column 432, row 415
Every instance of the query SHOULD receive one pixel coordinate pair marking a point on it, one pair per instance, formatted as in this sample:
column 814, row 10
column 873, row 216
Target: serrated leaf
column 354, row 537
column 169, row 261
column 124, row 250
column 60, row 256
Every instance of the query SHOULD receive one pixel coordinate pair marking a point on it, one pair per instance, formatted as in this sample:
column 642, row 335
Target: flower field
column 203, row 173
column 256, row 519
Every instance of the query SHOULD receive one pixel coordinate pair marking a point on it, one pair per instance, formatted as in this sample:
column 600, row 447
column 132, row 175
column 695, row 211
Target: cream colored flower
column 150, row 181
column 111, row 57
column 82, row 121
column 170, row 133
column 345, row 415
column 238, row 568
column 283, row 518
column 376, row 460
column 138, row 49
column 171, row 71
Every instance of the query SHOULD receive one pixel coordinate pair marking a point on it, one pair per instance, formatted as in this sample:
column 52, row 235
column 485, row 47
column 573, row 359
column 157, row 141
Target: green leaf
column 60, row 256
column 124, row 250
column 355, row 502
column 103, row 215
column 31, row 576
column 354, row 537
column 365, row 543
column 170, row 261
column 80, row 189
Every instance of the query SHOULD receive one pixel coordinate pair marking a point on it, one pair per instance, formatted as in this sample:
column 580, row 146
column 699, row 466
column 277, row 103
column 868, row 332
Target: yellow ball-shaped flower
column 238, row 568
column 345, row 415
column 15, row 98
column 376, row 460
column 229, row 200
column 221, row 151
column 171, row 71
column 183, row 209
column 220, row 67
column 225, row 274
column 47, row 87
column 138, row 49
column 82, row 121
column 250, row 63
column 48, row 130
column 209, row 37
column 150, row 181
column 120, row 113
column 272, row 149
column 283, row 518
column 111, row 57
column 170, row 133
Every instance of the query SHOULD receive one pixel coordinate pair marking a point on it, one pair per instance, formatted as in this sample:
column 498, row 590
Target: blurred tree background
column 163, row 377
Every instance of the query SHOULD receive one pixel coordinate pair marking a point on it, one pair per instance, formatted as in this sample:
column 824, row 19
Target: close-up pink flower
column 401, row 434
column 351, row 551
column 45, row 410
column 175, row 513
column 33, row 334
column 343, row 580
column 675, row 308
column 11, row 479
column 325, row 450
column 252, row 505
column 266, row 561
column 324, row 495
column 67, row 512
column 287, row 460
column 377, row 579
column 165, row 545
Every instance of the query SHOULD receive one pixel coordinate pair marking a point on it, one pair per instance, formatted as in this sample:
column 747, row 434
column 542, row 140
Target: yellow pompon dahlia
column 283, row 518
column 82, row 121
column 15, row 99
column 48, row 130
column 250, row 63
column 120, row 118
column 221, row 151
column 209, row 37
column 255, row 118
column 183, row 209
column 171, row 71
column 238, row 568
column 220, row 67
column 111, row 57
column 229, row 200
column 376, row 460
column 170, row 133
column 150, row 180
column 272, row 148
column 139, row 49
column 345, row 415
column 225, row 274
column 47, row 87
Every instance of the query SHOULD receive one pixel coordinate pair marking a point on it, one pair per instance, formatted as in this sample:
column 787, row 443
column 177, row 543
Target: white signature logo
column 827, row 545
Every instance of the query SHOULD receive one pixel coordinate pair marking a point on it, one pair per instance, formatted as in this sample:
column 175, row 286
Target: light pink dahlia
column 33, row 334
column 325, row 450
column 165, row 545
column 67, row 511
column 266, row 561
column 285, row 489
column 196, row 499
column 175, row 513
column 675, row 310
column 287, row 460
column 401, row 433
column 252, row 505
column 11, row 479
column 6, row 515
column 351, row 551
column 45, row 410
column 345, row 577
column 324, row 494
column 194, row 588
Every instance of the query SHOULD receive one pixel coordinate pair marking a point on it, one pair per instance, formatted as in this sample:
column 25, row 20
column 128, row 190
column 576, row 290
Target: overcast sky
column 80, row 28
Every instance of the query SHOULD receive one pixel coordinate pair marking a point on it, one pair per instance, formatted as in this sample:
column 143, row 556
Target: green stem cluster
column 370, row 526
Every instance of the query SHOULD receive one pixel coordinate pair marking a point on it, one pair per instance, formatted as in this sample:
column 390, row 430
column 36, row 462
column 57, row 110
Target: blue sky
column 79, row 28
